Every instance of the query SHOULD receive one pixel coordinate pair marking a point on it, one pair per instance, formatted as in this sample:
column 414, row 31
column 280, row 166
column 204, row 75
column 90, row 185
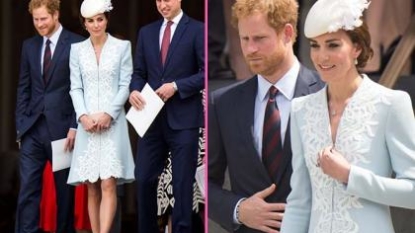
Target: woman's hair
column 51, row 5
column 82, row 19
column 361, row 37
column 279, row 12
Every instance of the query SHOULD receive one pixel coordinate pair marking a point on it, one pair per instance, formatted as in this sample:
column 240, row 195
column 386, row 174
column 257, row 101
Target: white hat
column 90, row 8
column 327, row 16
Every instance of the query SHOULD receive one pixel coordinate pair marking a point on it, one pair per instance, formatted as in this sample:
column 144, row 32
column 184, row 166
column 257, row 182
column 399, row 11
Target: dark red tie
column 165, row 43
column 271, row 136
column 46, row 61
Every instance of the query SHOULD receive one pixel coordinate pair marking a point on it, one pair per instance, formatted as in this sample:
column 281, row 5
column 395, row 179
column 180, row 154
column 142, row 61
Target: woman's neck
column 99, row 41
column 340, row 92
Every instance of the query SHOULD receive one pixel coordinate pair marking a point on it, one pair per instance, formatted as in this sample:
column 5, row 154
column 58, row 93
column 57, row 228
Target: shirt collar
column 175, row 19
column 55, row 36
column 285, row 86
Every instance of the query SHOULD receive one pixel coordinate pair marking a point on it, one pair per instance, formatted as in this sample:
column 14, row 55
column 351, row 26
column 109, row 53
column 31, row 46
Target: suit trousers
column 35, row 151
column 153, row 151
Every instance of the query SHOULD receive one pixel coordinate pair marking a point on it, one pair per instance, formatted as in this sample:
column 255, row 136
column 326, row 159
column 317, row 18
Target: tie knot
column 169, row 23
column 273, row 92
column 48, row 42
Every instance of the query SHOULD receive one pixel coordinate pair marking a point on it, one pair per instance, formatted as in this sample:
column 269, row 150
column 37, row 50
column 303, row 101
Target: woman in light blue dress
column 101, row 67
column 348, row 138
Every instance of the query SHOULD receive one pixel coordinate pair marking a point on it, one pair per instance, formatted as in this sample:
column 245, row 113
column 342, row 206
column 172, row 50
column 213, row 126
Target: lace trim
column 99, row 159
column 355, row 131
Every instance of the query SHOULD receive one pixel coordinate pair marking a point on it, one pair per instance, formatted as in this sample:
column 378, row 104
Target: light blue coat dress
column 376, row 134
column 101, row 88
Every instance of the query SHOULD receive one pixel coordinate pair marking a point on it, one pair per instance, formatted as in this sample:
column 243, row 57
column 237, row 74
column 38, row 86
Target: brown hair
column 279, row 12
column 51, row 5
column 82, row 19
column 361, row 37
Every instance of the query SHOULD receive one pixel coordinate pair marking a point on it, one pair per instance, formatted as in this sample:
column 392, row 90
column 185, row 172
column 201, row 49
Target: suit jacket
column 231, row 146
column 376, row 134
column 184, row 65
column 52, row 99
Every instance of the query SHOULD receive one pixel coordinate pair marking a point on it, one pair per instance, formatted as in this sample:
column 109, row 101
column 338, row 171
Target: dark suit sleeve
column 195, row 83
column 221, row 202
column 140, row 73
column 23, row 90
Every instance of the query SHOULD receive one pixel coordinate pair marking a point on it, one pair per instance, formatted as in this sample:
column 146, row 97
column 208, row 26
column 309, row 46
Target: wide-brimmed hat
column 327, row 16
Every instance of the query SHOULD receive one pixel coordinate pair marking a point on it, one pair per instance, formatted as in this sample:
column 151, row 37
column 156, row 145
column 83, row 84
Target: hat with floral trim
column 90, row 8
column 327, row 16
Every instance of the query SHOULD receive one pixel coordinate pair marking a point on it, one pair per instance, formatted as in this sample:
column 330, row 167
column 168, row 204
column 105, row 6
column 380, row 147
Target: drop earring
column 356, row 62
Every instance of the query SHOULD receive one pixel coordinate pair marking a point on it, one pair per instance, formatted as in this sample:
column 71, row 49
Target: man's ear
column 55, row 15
column 288, row 33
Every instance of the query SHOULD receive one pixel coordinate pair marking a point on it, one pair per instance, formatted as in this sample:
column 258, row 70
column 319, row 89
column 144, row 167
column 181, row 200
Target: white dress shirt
column 53, row 42
column 173, row 27
column 286, row 89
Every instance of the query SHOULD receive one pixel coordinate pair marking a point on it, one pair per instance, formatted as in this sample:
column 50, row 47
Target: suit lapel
column 246, row 108
column 181, row 28
column 302, row 88
column 59, row 50
column 303, row 85
column 154, row 43
column 38, row 60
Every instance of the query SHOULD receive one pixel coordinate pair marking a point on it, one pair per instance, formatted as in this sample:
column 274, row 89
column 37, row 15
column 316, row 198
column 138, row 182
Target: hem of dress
column 120, row 181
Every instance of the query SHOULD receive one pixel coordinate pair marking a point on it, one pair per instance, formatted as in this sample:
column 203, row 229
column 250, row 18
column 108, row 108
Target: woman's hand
column 103, row 121
column 88, row 123
column 334, row 164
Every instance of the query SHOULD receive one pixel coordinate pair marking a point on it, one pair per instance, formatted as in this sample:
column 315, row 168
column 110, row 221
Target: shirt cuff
column 175, row 86
column 236, row 212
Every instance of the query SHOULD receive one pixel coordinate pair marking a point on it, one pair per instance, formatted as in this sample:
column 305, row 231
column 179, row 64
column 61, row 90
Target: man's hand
column 136, row 100
column 70, row 140
column 165, row 91
column 255, row 213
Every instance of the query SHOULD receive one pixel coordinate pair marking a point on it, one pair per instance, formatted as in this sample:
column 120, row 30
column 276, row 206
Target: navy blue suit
column 44, row 113
column 232, row 148
column 176, row 127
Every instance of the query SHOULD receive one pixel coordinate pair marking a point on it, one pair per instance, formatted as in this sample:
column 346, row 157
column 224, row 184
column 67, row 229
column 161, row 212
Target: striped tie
column 271, row 137
column 46, row 61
